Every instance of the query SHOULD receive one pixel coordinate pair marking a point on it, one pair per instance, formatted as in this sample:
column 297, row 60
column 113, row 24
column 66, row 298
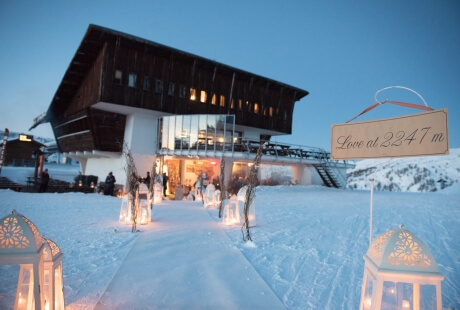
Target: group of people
column 110, row 183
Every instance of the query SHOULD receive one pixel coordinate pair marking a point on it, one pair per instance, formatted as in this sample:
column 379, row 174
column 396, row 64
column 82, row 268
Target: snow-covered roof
column 400, row 250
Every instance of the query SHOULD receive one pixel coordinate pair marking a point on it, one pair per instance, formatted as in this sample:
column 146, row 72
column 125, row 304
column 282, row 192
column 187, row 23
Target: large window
column 198, row 132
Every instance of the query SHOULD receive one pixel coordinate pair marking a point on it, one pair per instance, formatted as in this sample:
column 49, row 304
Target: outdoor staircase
column 327, row 174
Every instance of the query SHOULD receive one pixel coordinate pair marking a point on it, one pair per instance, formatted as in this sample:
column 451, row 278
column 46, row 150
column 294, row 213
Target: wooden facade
column 113, row 67
column 22, row 153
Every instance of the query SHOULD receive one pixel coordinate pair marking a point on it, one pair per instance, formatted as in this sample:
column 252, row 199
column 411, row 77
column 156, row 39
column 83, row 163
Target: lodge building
column 181, row 111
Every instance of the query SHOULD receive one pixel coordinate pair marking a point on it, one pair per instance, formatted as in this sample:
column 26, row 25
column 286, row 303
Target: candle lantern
column 157, row 193
column 229, row 217
column 216, row 199
column 207, row 196
column 21, row 244
column 400, row 272
column 53, row 279
column 144, row 213
column 126, row 216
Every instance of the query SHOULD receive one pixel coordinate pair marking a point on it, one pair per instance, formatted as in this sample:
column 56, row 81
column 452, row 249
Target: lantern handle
column 402, row 87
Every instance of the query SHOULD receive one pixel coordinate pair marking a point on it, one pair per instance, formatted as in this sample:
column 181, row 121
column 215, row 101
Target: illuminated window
column 132, row 80
column 158, row 86
column 213, row 99
column 256, row 108
column 146, row 84
column 203, row 96
column 222, row 100
column 240, row 104
column 232, row 104
column 118, row 76
column 171, row 89
column 192, row 94
column 270, row 111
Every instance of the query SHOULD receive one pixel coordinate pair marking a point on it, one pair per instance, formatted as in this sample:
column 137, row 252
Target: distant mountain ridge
column 414, row 174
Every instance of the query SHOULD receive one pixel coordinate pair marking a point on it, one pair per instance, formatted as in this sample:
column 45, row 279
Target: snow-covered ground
column 308, row 244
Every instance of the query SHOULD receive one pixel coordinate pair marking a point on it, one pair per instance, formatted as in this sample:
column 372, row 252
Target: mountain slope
column 414, row 174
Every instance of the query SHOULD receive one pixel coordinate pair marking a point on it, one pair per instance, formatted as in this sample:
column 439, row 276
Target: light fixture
column 400, row 272
column 21, row 244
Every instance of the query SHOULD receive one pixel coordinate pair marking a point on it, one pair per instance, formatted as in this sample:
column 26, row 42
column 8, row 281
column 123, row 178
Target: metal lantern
column 126, row 216
column 207, row 196
column 400, row 272
column 144, row 213
column 21, row 244
column 53, row 278
column 228, row 217
column 157, row 193
column 216, row 199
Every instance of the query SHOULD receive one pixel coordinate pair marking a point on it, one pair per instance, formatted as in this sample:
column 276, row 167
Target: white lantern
column 229, row 217
column 144, row 213
column 216, row 199
column 126, row 216
column 21, row 244
column 53, row 279
column 252, row 207
column 400, row 272
column 157, row 193
column 207, row 196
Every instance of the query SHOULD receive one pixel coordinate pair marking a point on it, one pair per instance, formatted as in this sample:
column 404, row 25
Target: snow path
column 165, row 270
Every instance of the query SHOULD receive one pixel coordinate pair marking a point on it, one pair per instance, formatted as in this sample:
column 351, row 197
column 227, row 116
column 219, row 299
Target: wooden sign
column 411, row 135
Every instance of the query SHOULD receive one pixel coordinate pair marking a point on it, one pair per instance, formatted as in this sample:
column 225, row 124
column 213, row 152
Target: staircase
column 327, row 174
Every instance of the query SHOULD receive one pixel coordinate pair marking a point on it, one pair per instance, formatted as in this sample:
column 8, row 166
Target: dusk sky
column 341, row 52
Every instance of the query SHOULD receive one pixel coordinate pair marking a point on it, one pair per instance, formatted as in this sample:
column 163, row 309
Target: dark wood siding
column 90, row 79
column 89, row 91
column 192, row 73
column 108, row 130
column 21, row 153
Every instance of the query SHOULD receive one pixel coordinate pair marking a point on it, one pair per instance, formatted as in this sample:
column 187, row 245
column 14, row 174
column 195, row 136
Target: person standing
column 165, row 183
column 109, row 184
column 45, row 178
column 147, row 180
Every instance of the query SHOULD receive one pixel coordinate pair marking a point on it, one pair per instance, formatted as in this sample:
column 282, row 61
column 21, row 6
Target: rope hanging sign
column 419, row 134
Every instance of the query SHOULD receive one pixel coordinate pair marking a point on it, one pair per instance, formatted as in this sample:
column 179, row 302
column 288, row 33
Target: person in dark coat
column 165, row 183
column 109, row 184
column 45, row 178
column 147, row 180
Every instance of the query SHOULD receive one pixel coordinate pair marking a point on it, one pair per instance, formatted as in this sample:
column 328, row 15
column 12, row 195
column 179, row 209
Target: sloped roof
column 93, row 42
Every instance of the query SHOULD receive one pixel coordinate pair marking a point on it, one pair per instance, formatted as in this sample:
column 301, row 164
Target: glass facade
column 198, row 132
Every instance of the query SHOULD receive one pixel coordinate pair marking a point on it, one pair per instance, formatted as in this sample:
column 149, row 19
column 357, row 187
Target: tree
column 250, row 192
column 132, row 179
column 222, row 188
